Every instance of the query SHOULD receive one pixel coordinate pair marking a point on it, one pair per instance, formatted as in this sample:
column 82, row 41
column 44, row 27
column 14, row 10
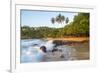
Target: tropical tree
column 59, row 19
column 53, row 20
column 67, row 20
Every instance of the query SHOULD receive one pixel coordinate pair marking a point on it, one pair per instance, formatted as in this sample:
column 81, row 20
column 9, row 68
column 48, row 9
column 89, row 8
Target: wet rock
column 59, row 42
column 63, row 42
column 62, row 56
column 55, row 49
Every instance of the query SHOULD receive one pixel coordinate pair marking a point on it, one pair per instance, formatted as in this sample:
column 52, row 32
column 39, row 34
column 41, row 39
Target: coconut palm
column 59, row 19
column 53, row 20
column 67, row 20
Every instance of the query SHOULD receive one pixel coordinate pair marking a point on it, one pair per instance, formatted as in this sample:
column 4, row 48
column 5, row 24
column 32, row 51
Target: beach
column 66, row 49
column 80, row 44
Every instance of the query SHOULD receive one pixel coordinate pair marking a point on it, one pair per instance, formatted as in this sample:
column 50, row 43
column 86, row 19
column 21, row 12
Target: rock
column 63, row 42
column 62, row 56
column 54, row 49
column 59, row 42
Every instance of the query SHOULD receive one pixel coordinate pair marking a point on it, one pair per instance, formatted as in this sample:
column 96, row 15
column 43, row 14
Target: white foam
column 49, row 45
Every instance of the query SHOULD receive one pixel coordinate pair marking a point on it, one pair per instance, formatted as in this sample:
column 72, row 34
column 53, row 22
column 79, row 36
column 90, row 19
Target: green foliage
column 79, row 26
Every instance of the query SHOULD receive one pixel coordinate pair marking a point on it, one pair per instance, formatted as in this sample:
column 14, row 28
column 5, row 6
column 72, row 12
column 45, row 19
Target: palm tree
column 53, row 20
column 59, row 19
column 67, row 20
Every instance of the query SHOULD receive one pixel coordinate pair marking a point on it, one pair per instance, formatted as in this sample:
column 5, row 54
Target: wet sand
column 82, row 51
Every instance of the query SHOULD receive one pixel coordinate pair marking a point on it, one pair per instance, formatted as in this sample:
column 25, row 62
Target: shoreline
column 77, row 39
column 80, row 44
column 68, row 40
column 72, row 41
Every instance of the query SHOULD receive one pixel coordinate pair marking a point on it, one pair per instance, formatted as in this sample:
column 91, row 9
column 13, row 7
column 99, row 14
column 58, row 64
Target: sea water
column 30, row 51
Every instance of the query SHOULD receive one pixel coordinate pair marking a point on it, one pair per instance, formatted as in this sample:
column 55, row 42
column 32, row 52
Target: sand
column 70, row 38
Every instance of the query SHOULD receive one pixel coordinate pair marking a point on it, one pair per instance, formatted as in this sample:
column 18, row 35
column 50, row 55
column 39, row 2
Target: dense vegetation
column 79, row 27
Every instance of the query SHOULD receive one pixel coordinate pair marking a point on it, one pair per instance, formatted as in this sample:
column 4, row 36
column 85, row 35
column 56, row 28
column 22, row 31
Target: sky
column 43, row 18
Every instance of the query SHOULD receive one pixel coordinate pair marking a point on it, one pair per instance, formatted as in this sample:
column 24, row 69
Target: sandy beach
column 70, row 39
